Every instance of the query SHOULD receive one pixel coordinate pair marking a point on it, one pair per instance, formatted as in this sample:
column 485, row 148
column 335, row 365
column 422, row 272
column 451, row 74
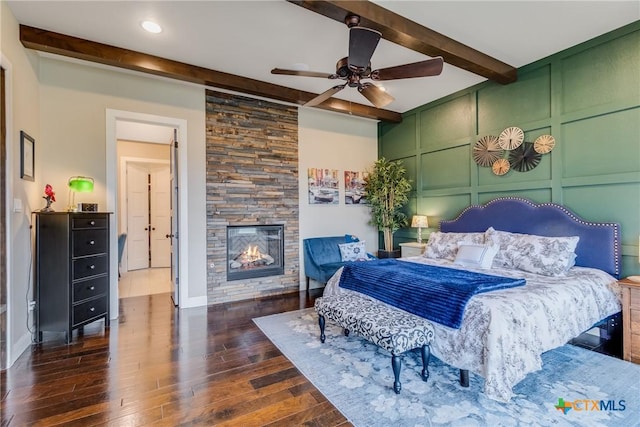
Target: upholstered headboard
column 599, row 245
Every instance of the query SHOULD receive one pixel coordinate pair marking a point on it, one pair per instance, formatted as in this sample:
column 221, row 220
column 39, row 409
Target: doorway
column 144, row 197
column 179, row 235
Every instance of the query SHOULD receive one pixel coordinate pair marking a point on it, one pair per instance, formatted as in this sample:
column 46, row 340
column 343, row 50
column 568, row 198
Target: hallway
column 148, row 281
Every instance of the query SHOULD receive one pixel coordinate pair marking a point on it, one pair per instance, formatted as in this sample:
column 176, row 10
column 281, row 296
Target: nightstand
column 630, row 319
column 412, row 249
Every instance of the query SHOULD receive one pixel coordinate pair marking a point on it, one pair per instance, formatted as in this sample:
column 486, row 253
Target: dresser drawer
column 85, row 221
column 89, row 266
column 90, row 288
column 89, row 242
column 88, row 310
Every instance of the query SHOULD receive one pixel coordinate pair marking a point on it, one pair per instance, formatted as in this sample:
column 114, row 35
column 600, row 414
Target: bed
column 504, row 332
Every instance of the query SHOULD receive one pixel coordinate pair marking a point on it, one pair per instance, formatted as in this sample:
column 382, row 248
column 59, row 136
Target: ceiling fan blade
column 324, row 96
column 430, row 67
column 303, row 73
column 375, row 95
column 362, row 44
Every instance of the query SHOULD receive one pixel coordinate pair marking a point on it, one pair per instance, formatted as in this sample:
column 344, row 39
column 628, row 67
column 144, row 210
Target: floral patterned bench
column 385, row 326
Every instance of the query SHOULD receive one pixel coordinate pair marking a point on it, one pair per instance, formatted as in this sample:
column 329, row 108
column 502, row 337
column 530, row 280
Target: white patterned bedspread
column 504, row 332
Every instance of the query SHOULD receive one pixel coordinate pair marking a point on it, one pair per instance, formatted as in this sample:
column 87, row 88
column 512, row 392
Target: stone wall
column 252, row 178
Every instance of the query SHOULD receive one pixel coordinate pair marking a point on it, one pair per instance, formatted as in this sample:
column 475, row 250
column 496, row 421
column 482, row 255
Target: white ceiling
column 249, row 38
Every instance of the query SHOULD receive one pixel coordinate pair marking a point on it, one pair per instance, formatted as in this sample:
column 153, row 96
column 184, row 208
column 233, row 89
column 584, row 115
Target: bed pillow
column 445, row 245
column 475, row 255
column 352, row 251
column 548, row 256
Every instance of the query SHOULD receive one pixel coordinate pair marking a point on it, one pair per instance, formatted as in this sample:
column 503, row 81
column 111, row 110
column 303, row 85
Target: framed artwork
column 27, row 156
column 354, row 193
column 323, row 186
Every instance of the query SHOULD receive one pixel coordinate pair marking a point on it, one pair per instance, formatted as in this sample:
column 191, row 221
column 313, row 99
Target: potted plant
column 387, row 190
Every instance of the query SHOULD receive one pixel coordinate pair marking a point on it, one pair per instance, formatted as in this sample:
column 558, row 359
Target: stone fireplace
column 254, row 251
column 252, row 186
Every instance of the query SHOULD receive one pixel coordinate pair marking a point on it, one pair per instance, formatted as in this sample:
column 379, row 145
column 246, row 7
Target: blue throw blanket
column 435, row 293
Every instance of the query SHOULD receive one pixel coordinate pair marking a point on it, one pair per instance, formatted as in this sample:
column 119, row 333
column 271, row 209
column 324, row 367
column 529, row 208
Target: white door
column 137, row 217
column 175, row 256
column 160, row 217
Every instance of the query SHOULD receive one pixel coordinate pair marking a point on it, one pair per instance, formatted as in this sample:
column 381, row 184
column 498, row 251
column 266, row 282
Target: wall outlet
column 32, row 305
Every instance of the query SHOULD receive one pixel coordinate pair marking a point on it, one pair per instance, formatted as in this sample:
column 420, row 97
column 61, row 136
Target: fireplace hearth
column 254, row 251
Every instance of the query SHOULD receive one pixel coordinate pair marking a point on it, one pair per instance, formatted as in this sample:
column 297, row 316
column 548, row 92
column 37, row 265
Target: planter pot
column 389, row 254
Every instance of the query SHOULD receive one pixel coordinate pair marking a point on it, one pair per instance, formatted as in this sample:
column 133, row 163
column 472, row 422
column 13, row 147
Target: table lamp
column 78, row 184
column 419, row 222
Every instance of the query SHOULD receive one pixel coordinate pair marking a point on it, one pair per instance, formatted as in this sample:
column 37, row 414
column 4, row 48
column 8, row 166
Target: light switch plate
column 17, row 205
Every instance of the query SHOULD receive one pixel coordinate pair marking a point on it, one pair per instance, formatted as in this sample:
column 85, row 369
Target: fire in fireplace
column 254, row 251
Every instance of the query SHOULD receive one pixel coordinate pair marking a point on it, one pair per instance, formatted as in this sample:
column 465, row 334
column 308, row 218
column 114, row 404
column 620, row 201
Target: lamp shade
column 419, row 221
column 81, row 184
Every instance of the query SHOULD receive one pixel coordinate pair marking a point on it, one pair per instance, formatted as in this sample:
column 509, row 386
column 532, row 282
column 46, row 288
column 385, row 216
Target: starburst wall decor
column 522, row 156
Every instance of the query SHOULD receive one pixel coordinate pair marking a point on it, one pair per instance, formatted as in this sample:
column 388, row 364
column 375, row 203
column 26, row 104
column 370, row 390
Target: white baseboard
column 16, row 351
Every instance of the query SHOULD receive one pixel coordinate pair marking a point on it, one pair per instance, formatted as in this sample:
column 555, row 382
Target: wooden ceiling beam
column 73, row 47
column 403, row 31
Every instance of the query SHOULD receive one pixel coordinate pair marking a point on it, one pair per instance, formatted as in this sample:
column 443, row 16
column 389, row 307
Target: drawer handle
column 92, row 288
column 92, row 267
column 92, row 242
column 92, row 309
column 92, row 223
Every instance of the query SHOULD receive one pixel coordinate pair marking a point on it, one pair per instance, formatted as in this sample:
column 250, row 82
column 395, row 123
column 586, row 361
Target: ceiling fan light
column 151, row 27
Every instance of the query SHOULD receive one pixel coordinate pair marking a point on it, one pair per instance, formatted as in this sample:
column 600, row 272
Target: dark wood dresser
column 72, row 271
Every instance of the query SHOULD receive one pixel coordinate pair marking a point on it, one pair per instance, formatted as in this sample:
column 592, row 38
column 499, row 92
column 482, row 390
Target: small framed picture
column 27, row 156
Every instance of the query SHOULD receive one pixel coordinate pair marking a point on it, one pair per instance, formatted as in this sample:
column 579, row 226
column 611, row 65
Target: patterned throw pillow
column 445, row 245
column 548, row 256
column 475, row 255
column 353, row 251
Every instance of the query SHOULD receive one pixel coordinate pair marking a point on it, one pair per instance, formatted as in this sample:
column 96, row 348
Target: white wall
column 334, row 141
column 23, row 99
column 75, row 98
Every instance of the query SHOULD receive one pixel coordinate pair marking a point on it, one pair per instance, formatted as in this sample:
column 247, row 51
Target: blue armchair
column 322, row 257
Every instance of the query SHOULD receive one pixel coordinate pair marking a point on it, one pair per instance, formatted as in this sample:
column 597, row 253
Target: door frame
column 24, row 341
column 124, row 208
column 112, row 117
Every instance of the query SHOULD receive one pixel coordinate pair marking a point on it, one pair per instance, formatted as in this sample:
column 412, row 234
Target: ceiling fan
column 357, row 66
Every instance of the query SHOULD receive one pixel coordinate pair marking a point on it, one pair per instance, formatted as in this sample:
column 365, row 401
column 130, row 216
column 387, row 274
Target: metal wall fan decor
column 524, row 158
column 511, row 138
column 357, row 67
column 486, row 151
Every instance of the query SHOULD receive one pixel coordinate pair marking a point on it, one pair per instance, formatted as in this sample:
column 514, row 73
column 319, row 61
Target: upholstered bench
column 387, row 327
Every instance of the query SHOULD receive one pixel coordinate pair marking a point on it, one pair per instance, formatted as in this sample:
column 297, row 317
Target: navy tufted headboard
column 599, row 245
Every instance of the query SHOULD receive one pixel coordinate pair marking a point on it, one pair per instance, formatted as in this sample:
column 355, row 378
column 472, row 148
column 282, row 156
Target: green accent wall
column 587, row 97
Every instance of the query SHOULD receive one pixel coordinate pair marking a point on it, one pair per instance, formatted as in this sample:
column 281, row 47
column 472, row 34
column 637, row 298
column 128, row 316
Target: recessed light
column 151, row 27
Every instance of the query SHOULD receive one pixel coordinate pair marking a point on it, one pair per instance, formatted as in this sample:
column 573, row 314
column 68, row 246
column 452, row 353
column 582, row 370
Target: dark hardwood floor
column 164, row 367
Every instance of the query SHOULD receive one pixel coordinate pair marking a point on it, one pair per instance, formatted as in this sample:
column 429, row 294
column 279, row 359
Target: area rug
column 576, row 387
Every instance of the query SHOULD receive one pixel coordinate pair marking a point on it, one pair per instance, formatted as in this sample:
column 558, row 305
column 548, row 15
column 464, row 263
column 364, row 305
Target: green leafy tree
column 387, row 191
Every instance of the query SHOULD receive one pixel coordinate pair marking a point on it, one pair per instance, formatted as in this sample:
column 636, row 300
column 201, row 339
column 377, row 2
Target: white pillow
column 475, row 255
column 445, row 245
column 549, row 256
column 352, row 251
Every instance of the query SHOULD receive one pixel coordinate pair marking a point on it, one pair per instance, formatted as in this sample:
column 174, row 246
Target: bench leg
column 321, row 323
column 464, row 377
column 396, row 364
column 425, row 351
